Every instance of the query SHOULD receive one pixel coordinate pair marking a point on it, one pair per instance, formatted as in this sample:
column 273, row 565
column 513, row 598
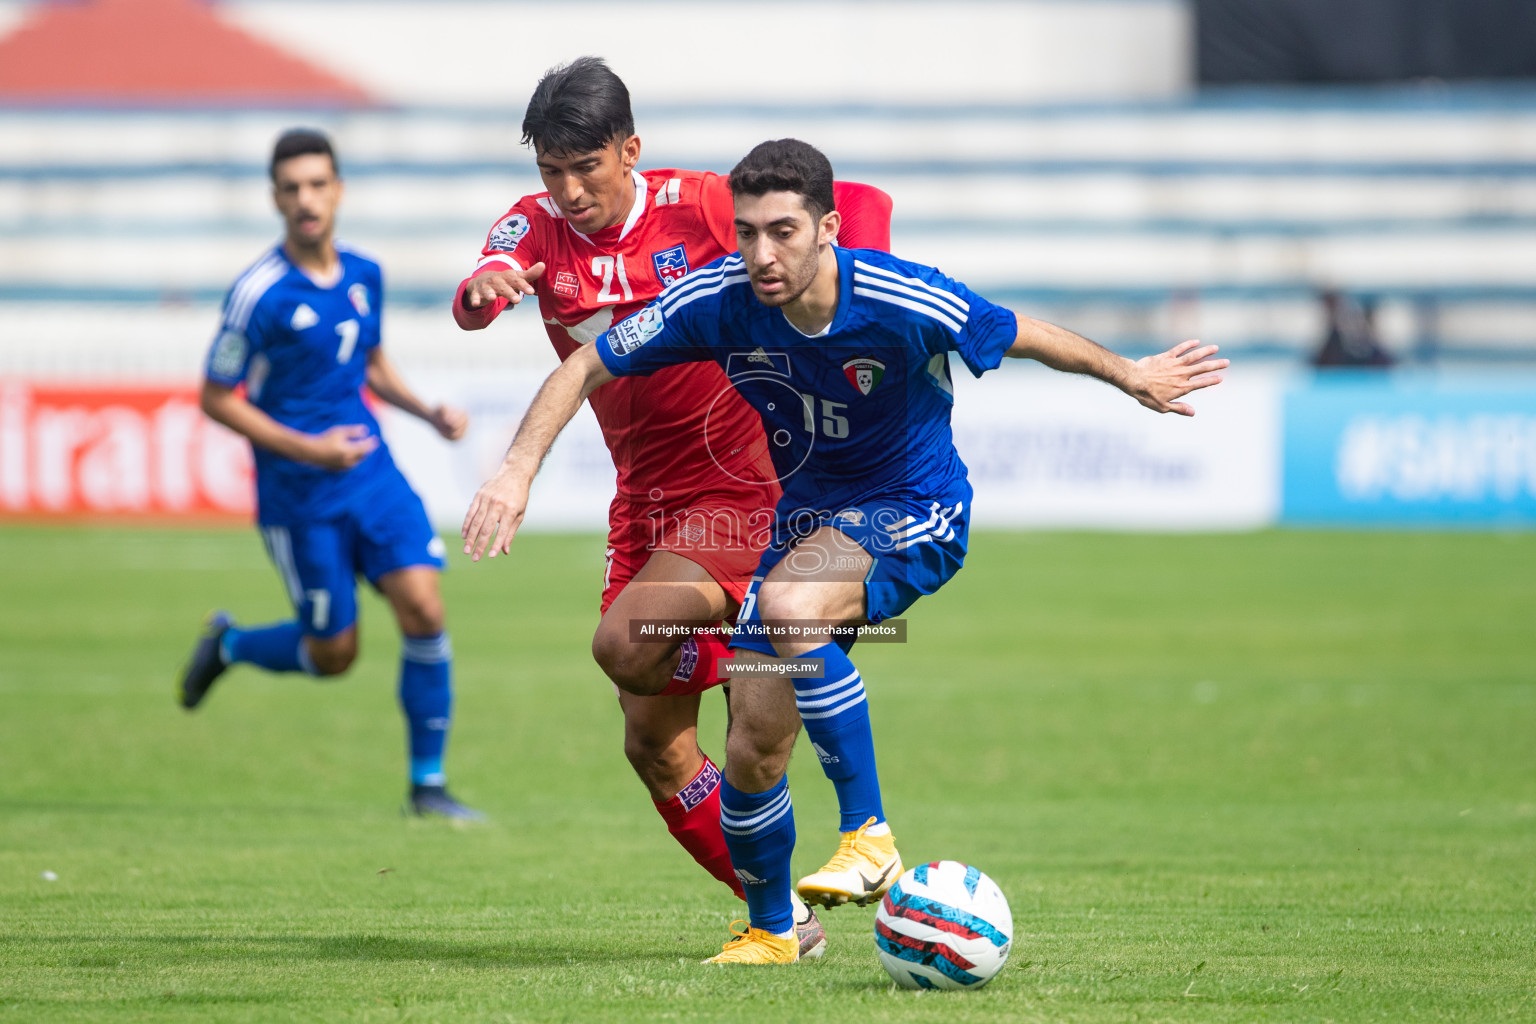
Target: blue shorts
column 320, row 561
column 917, row 546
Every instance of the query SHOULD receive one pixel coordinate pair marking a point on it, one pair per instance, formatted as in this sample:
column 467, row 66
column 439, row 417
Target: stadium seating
column 1221, row 216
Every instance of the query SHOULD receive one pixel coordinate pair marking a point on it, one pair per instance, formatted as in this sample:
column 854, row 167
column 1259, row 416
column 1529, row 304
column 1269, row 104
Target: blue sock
column 760, row 835
column 426, row 697
column 836, row 718
column 276, row 648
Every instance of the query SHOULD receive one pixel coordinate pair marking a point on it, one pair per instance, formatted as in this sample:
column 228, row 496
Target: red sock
column 693, row 818
column 697, row 663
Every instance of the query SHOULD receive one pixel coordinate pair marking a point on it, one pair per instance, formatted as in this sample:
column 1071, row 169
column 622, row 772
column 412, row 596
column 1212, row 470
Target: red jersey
column 655, row 426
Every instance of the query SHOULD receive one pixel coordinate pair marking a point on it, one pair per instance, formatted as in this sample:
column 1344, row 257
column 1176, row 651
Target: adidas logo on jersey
column 303, row 317
column 757, row 361
column 822, row 755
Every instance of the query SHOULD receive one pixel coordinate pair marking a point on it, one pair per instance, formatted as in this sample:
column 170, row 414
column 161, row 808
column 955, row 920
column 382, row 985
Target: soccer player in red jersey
column 695, row 482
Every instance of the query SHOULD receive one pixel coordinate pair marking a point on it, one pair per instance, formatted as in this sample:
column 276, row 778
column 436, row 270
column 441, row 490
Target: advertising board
column 79, row 449
column 1407, row 450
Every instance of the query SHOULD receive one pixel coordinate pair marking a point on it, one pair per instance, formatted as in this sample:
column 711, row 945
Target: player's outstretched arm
column 499, row 505
column 482, row 297
column 385, row 381
column 338, row 448
column 1157, row 382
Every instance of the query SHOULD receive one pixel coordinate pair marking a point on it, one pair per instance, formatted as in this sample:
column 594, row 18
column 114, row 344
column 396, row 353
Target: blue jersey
column 858, row 412
column 302, row 352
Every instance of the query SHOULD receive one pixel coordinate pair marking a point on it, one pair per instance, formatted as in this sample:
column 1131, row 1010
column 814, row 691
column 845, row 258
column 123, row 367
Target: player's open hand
column 1160, row 380
column 512, row 285
column 342, row 447
column 450, row 422
column 494, row 516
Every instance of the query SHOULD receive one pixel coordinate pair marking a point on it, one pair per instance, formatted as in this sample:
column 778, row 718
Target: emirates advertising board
column 70, row 450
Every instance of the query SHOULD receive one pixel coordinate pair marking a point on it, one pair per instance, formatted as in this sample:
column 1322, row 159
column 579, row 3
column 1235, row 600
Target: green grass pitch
column 1273, row 777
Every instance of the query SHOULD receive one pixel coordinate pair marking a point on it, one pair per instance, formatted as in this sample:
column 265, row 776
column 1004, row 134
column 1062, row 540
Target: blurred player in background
column 876, row 501
column 601, row 243
column 301, row 334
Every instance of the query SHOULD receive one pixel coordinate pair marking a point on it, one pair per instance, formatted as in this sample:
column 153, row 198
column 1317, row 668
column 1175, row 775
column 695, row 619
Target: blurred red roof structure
column 156, row 53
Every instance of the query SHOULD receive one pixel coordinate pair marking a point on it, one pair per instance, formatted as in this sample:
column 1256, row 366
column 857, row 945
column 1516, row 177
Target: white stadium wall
column 1048, row 450
column 468, row 53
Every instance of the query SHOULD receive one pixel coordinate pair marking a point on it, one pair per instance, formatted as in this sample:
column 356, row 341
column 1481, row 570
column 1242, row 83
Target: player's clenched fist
column 450, row 422
column 1170, row 375
column 494, row 516
column 512, row 285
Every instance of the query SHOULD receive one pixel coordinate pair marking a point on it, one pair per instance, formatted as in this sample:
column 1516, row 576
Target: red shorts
column 725, row 537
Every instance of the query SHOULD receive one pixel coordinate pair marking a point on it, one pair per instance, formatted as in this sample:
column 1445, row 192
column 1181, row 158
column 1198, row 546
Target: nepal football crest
column 864, row 373
column 671, row 264
column 635, row 331
column 505, row 236
column 358, row 293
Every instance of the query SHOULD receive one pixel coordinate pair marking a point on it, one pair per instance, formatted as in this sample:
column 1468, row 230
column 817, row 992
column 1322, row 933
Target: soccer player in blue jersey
column 845, row 355
column 300, row 332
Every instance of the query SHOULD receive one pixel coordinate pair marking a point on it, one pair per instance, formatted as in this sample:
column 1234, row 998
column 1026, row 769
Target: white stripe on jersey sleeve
column 729, row 265
column 919, row 307
column 961, row 306
column 251, row 272
column 913, row 293
column 725, row 283
column 699, row 293
column 244, row 283
column 249, row 289
column 495, row 257
column 697, row 280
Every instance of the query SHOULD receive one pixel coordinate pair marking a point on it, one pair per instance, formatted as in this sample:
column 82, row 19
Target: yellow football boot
column 755, row 946
column 863, row 867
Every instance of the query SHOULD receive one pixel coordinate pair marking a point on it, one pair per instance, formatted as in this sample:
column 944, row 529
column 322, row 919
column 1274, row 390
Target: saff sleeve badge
column 505, row 236
column 630, row 334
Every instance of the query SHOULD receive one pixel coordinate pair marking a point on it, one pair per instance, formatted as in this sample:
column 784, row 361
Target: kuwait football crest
column 864, row 373
column 671, row 264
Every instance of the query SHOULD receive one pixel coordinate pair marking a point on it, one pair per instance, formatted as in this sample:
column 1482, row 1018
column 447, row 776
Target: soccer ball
column 943, row 925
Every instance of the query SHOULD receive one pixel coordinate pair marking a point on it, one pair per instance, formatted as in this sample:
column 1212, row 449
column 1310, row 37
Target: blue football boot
column 436, row 801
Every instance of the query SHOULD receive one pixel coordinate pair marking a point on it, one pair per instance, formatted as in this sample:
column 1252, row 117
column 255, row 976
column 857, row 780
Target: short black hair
column 787, row 165
column 301, row 142
column 578, row 107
